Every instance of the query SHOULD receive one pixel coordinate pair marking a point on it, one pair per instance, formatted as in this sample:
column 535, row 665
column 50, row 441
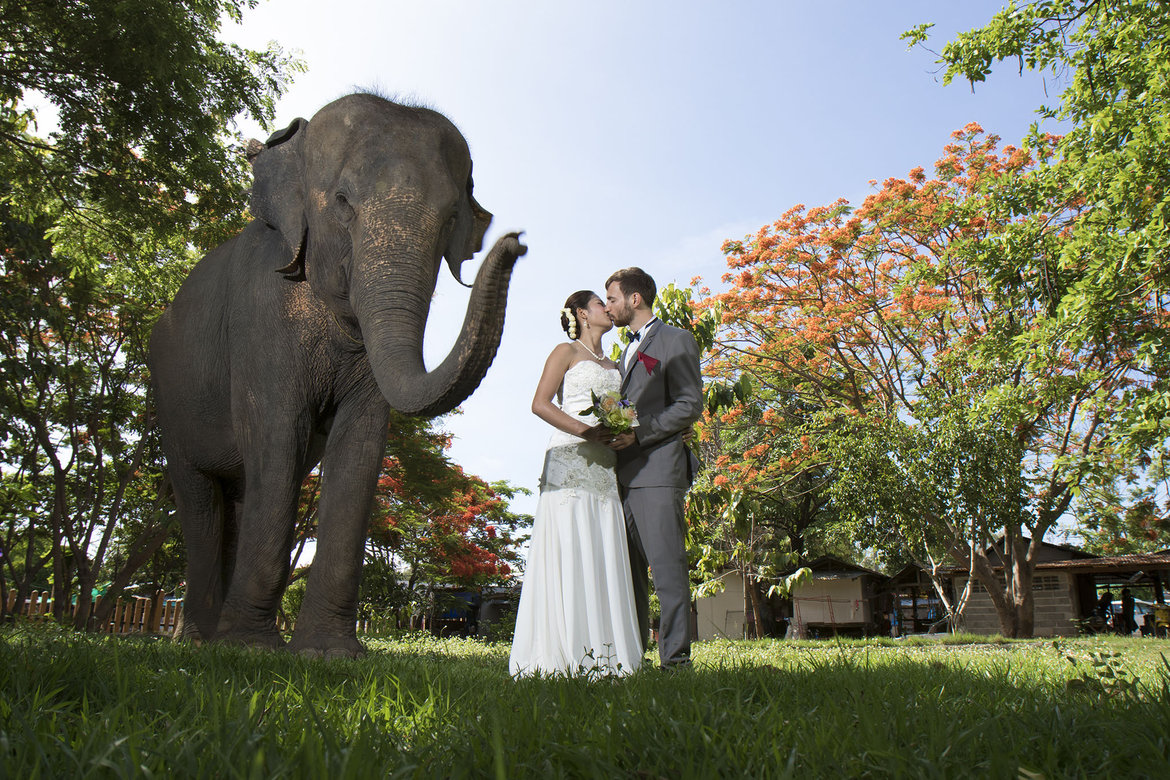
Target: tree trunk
column 139, row 553
column 1004, row 608
column 61, row 577
column 85, row 586
column 751, row 606
column 762, row 610
column 1021, row 588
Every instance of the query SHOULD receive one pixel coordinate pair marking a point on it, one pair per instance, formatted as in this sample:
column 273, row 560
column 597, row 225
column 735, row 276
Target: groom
column 660, row 375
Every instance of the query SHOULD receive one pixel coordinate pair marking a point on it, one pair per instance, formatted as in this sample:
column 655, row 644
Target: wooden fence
column 143, row 615
column 134, row 615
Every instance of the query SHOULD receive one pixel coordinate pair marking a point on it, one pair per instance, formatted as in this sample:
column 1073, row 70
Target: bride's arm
column 546, row 389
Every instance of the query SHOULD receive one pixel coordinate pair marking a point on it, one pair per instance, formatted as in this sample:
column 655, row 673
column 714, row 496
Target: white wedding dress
column 577, row 614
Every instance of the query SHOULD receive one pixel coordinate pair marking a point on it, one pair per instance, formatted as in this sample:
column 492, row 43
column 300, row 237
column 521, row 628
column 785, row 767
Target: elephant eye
column 449, row 227
column 345, row 211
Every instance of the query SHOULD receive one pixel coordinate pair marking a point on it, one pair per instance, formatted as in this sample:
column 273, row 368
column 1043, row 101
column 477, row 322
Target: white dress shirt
column 633, row 347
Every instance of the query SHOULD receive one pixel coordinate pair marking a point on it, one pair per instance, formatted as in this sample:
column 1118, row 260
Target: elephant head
column 369, row 197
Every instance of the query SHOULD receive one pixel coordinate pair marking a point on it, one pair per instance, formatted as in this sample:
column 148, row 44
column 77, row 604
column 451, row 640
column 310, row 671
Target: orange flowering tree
column 1122, row 522
column 761, row 534
column 435, row 526
column 853, row 323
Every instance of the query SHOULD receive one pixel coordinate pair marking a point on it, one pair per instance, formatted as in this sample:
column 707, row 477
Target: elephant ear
column 467, row 237
column 278, row 192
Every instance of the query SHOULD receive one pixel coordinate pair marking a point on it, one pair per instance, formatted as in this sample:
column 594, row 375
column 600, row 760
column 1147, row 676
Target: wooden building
column 1066, row 587
column 840, row 599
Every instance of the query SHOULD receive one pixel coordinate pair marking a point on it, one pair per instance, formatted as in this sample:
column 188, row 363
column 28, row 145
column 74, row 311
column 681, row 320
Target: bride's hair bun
column 578, row 300
column 569, row 323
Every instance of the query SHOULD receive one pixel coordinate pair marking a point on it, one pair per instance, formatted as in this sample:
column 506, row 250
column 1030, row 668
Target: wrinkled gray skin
column 289, row 344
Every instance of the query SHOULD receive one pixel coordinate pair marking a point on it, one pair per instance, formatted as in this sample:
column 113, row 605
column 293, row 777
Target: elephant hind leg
column 202, row 509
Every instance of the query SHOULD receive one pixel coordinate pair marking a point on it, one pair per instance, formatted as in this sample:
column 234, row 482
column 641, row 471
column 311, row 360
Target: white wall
column 721, row 615
column 830, row 602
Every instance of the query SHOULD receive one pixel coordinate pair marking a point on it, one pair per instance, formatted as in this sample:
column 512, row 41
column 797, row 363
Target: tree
column 101, row 213
column 78, row 432
column 1109, row 276
column 434, row 525
column 1123, row 517
column 143, row 93
column 931, row 491
column 886, row 314
column 729, row 528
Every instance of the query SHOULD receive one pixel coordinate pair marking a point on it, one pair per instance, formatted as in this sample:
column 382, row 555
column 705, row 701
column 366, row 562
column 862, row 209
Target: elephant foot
column 326, row 646
column 270, row 640
column 187, row 632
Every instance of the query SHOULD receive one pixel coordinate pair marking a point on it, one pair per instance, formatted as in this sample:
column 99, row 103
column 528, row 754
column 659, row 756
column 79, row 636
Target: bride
column 577, row 614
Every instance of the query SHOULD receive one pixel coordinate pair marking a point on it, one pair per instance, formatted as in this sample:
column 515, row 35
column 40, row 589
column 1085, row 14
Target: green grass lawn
column 87, row 706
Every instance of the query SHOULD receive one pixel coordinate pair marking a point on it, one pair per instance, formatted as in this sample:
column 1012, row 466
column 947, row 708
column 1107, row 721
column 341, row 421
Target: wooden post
column 914, row 611
column 168, row 618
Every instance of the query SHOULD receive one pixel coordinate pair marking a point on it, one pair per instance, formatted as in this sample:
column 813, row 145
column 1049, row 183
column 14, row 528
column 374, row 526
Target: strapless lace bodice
column 573, row 463
column 581, row 381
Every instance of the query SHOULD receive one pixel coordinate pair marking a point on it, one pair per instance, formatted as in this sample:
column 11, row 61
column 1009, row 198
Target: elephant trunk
column 392, row 298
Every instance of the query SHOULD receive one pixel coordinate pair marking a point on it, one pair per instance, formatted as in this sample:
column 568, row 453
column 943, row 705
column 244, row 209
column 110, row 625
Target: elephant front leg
column 326, row 625
column 266, row 518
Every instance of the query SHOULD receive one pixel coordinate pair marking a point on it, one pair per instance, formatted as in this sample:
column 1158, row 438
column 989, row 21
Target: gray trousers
column 657, row 532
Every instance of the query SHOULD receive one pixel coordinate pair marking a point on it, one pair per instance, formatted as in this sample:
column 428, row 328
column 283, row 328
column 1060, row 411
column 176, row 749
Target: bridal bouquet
column 614, row 412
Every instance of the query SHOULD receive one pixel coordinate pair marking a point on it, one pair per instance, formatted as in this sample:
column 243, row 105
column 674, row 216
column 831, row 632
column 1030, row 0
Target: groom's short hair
column 634, row 280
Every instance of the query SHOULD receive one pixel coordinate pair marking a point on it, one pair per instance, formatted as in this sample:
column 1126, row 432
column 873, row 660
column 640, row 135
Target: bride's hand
column 598, row 434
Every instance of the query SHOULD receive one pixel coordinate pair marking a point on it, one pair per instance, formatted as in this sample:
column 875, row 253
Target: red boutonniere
column 647, row 361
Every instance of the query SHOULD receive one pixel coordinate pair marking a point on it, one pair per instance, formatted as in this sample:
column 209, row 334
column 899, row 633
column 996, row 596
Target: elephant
column 288, row 345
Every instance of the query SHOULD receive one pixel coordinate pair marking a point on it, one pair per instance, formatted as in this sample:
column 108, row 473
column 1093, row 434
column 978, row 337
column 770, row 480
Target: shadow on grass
column 75, row 705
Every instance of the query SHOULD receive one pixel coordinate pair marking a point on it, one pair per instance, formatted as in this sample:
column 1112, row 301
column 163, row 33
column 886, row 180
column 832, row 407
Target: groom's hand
column 619, row 441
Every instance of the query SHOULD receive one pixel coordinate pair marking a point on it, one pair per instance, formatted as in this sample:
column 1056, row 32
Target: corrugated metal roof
column 1134, row 562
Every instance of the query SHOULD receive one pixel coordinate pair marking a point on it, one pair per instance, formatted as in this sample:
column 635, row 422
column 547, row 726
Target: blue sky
column 637, row 133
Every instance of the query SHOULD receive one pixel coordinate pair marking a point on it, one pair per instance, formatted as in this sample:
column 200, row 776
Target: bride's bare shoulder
column 562, row 352
column 560, row 358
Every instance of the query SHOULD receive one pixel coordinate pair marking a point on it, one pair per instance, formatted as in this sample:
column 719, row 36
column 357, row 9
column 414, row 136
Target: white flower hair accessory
column 571, row 319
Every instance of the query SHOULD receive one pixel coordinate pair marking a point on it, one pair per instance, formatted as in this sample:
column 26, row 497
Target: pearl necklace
column 591, row 352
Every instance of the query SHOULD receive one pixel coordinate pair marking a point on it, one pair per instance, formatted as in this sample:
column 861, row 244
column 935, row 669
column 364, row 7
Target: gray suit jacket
column 665, row 385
